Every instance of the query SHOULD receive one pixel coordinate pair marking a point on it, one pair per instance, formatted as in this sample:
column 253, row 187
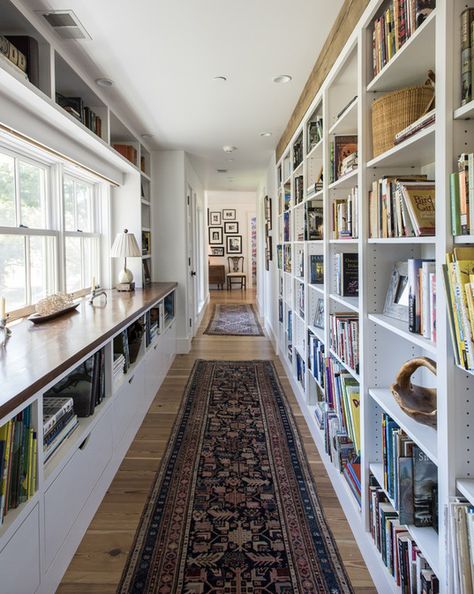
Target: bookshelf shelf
column 318, row 288
column 463, row 239
column 347, row 122
column 344, row 241
column 400, row 328
column 411, row 63
column 347, row 181
column 351, row 303
column 145, row 202
column 315, row 196
column 403, row 240
column 465, row 112
column 15, row 517
column 466, row 487
column 416, row 151
column 424, row 436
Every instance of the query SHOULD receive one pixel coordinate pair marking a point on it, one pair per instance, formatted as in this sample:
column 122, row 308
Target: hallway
column 98, row 563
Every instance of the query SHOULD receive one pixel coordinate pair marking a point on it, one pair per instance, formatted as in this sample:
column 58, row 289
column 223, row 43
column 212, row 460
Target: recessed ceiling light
column 147, row 136
column 220, row 78
column 282, row 78
column 229, row 148
column 221, row 170
column 265, row 133
column 104, row 82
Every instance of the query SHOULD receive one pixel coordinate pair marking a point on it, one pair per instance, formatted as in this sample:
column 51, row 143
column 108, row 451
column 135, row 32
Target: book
column 467, row 18
column 53, row 409
column 316, row 269
column 420, row 201
column 347, row 274
column 342, row 147
column 425, row 478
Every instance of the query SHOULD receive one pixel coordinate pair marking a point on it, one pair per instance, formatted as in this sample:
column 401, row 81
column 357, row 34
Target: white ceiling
column 163, row 55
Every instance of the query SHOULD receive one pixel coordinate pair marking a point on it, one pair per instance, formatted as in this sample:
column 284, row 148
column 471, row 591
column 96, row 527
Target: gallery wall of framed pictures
column 224, row 236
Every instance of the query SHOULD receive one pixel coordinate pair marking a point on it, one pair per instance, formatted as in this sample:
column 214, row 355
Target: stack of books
column 347, row 274
column 410, row 477
column 462, row 196
column 59, row 421
column 85, row 385
column 128, row 151
column 467, row 57
column 18, row 462
column 400, row 553
column 402, row 207
column 300, row 299
column 315, row 132
column 300, row 370
column 459, row 283
column 344, row 338
column 287, row 258
column 314, row 222
column 75, row 107
column 351, row 472
column 289, row 334
column 399, row 20
column 343, row 156
column 461, row 529
column 345, row 216
column 286, row 226
column 299, row 189
column 316, row 359
column 10, row 54
column 422, row 297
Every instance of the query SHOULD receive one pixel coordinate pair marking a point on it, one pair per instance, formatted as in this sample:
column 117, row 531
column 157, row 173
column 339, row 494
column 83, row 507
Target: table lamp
column 125, row 246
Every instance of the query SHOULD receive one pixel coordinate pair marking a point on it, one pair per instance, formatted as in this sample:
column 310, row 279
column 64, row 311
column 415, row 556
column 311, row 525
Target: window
column 82, row 236
column 28, row 245
column 50, row 234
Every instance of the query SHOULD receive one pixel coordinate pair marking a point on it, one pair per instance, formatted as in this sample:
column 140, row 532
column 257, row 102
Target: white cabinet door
column 67, row 495
column 154, row 370
column 129, row 400
column 20, row 558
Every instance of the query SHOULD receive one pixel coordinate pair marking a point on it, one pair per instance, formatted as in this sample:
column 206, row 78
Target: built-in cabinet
column 40, row 536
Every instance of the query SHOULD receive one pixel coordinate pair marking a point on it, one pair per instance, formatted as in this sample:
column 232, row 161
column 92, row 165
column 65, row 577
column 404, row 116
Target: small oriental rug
column 234, row 319
column 234, row 507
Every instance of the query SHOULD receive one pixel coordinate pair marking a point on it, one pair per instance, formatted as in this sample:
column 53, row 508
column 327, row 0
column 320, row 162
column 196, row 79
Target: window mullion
column 17, row 193
column 27, row 269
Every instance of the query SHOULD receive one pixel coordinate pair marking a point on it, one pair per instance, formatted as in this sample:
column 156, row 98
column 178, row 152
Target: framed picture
column 396, row 300
column 228, row 214
column 215, row 218
column 217, row 251
column 215, row 236
column 234, row 244
column 268, row 211
column 231, row 227
column 269, row 246
column 319, row 314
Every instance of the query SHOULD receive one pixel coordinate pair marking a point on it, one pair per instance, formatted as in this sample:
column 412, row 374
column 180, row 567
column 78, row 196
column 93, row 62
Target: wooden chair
column 236, row 272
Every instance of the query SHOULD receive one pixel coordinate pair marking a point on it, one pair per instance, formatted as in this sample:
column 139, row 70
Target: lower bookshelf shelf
column 466, row 487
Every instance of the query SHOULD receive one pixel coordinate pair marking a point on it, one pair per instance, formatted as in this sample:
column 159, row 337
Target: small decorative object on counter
column 417, row 402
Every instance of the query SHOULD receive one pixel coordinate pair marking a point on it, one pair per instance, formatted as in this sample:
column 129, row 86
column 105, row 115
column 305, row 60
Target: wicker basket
column 394, row 112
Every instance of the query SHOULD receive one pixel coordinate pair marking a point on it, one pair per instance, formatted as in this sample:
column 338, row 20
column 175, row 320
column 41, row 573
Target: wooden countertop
column 36, row 353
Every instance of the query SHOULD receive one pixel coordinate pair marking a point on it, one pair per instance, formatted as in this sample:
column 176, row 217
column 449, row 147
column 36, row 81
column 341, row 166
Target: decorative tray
column 40, row 319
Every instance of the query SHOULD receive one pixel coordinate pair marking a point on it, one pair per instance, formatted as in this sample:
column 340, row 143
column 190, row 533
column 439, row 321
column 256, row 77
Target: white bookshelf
column 386, row 343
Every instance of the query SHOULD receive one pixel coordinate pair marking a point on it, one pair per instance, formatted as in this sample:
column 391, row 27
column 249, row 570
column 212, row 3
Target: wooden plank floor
column 98, row 563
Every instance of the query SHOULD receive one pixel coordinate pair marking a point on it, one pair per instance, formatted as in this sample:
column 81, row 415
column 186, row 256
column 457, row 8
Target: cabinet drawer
column 67, row 495
column 19, row 559
column 129, row 401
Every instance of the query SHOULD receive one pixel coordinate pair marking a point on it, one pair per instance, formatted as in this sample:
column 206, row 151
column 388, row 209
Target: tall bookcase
column 384, row 343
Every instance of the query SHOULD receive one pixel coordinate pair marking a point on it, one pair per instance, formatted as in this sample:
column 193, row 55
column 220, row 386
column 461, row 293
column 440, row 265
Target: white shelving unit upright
column 385, row 343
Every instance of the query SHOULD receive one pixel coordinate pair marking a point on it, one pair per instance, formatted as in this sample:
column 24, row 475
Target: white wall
column 267, row 289
column 245, row 204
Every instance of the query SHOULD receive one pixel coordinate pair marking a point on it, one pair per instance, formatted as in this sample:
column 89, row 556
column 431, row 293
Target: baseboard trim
column 183, row 346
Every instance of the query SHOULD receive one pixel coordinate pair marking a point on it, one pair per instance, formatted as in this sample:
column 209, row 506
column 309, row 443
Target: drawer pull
column 131, row 379
column 84, row 443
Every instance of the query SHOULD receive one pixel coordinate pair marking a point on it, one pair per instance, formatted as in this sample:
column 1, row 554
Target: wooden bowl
column 416, row 401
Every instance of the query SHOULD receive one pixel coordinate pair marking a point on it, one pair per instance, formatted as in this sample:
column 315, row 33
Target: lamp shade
column 125, row 246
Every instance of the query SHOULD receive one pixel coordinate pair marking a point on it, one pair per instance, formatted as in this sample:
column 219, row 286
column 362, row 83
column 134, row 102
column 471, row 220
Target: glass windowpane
column 73, row 264
column 69, row 215
column 12, row 271
column 7, row 191
column 32, row 198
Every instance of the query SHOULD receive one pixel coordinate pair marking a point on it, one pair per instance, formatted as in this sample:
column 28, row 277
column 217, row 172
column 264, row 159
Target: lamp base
column 126, row 287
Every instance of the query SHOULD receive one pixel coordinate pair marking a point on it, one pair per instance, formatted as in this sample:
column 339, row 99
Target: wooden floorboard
column 98, row 563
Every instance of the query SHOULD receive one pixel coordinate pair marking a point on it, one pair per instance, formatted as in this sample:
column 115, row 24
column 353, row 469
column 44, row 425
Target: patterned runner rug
column 234, row 319
column 234, row 508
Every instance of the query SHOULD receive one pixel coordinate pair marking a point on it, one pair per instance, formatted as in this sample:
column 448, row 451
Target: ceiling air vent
column 221, row 170
column 66, row 24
